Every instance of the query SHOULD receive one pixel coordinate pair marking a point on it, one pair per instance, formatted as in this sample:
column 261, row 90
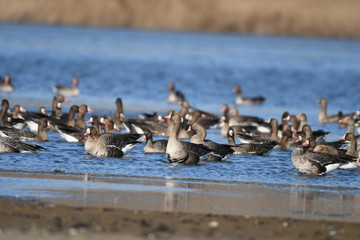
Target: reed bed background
column 325, row 18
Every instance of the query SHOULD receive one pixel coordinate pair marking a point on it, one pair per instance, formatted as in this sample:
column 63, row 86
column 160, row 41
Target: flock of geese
column 311, row 154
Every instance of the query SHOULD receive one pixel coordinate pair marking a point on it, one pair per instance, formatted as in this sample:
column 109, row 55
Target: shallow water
column 137, row 65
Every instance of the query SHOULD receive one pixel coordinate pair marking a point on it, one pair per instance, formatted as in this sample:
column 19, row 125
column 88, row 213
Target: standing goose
column 182, row 152
column 174, row 95
column 72, row 91
column 151, row 146
column 248, row 148
column 240, row 100
column 220, row 151
column 6, row 85
column 109, row 144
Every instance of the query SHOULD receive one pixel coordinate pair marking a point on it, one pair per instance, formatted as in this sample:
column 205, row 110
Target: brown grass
column 327, row 18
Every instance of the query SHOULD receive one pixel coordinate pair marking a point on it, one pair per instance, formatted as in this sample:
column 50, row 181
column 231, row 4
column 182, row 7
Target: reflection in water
column 307, row 203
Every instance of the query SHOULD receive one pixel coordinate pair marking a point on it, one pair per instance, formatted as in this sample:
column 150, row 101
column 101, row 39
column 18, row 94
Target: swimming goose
column 119, row 117
column 80, row 122
column 174, row 95
column 110, row 126
column 6, row 85
column 57, row 105
column 32, row 119
column 314, row 163
column 240, row 100
column 153, row 122
column 255, row 136
column 182, row 152
column 205, row 119
column 12, row 145
column 248, row 148
column 72, row 91
column 151, row 146
column 3, row 112
column 109, row 144
column 347, row 160
column 219, row 151
column 324, row 118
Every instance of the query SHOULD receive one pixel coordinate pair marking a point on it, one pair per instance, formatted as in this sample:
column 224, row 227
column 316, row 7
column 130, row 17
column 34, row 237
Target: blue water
column 136, row 65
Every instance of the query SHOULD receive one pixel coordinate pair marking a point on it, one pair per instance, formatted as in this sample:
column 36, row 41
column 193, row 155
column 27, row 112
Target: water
column 136, row 65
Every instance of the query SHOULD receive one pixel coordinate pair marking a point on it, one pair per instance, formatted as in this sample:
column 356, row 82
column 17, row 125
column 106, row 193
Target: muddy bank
column 326, row 18
column 43, row 221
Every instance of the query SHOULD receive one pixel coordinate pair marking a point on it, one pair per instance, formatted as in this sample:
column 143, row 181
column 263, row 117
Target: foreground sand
column 42, row 221
column 147, row 208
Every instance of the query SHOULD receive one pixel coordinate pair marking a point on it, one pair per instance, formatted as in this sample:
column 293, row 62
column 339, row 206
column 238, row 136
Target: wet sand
column 57, row 205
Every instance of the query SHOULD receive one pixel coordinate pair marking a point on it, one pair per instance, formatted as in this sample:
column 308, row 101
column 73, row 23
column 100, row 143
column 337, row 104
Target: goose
column 220, row 151
column 314, row 163
column 32, row 119
column 174, row 95
column 153, row 122
column 240, row 100
column 182, row 152
column 324, row 118
column 151, row 146
column 110, row 126
column 109, row 144
column 3, row 112
column 119, row 117
column 57, row 105
column 248, row 148
column 6, row 85
column 72, row 91
column 83, row 109
column 12, row 145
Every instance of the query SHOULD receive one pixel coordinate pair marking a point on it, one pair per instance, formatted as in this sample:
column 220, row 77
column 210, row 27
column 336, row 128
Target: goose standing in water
column 72, row 91
column 182, row 152
column 240, row 100
column 6, row 85
column 109, row 144
column 174, row 95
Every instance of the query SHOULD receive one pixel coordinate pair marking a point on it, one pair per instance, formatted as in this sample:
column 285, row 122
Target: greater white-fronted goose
column 315, row 163
column 248, row 148
column 174, row 96
column 3, row 113
column 350, row 124
column 235, row 119
column 110, row 126
column 57, row 105
column 255, row 136
column 72, row 91
column 80, row 122
column 32, row 119
column 12, row 145
column 352, row 150
column 109, row 144
column 182, row 152
column 303, row 120
column 17, row 120
column 205, row 119
column 69, row 118
column 119, row 117
column 219, row 151
column 286, row 138
column 151, row 146
column 6, row 84
column 347, row 160
column 324, row 118
column 319, row 135
column 153, row 122
column 240, row 100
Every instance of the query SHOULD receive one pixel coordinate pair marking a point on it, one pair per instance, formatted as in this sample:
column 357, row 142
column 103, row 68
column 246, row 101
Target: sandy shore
column 58, row 206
